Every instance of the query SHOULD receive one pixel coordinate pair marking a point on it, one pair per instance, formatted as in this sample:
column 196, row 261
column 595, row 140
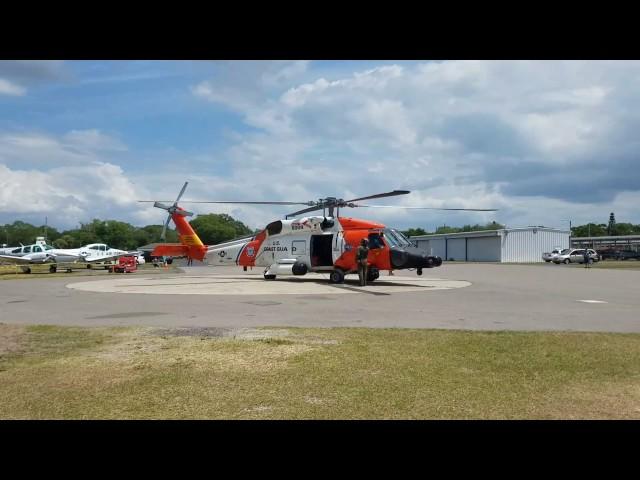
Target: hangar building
column 513, row 245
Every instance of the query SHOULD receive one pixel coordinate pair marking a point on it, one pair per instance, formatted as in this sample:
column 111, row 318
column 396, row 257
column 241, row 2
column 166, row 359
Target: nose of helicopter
column 413, row 257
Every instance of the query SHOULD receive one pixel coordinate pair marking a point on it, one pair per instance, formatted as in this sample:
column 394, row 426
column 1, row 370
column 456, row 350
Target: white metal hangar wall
column 513, row 245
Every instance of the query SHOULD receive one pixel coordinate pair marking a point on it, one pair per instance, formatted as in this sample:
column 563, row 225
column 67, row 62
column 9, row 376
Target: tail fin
column 190, row 244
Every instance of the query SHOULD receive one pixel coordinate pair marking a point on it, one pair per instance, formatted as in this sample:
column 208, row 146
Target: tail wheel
column 336, row 276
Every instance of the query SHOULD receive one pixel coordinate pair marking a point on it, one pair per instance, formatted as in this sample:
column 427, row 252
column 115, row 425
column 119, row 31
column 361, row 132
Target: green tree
column 217, row 228
column 412, row 232
column 590, row 229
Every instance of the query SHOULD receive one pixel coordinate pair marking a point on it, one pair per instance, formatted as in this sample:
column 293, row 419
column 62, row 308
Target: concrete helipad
column 255, row 284
column 494, row 297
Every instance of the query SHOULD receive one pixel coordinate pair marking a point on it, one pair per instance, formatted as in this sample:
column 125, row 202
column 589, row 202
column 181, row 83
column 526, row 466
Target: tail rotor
column 172, row 209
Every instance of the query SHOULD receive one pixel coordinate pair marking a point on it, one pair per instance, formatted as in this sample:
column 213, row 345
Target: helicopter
column 324, row 243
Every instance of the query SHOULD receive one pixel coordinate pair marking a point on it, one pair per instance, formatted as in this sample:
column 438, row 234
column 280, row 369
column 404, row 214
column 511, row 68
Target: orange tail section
column 190, row 244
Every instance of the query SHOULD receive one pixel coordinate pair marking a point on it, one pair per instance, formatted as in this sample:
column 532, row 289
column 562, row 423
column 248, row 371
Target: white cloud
column 8, row 88
column 520, row 135
column 541, row 141
column 35, row 148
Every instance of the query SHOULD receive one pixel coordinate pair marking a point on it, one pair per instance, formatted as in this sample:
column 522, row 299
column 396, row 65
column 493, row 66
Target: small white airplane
column 40, row 253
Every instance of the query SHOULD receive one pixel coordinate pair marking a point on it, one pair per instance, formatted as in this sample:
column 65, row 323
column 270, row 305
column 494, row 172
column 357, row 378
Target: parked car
column 627, row 254
column 549, row 256
column 575, row 255
column 140, row 258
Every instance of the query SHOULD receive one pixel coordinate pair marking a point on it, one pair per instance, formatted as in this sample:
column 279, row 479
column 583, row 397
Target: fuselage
column 321, row 244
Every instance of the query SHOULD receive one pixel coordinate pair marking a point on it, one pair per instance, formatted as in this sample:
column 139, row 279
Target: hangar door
column 436, row 247
column 456, row 249
column 483, row 249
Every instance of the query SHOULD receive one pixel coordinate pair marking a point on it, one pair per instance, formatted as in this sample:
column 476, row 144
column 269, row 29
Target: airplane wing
column 23, row 260
column 105, row 258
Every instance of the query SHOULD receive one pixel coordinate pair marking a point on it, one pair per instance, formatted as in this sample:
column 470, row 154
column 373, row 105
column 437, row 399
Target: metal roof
column 485, row 233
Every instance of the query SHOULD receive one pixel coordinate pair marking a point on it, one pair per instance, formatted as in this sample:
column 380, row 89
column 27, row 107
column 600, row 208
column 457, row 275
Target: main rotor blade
column 381, row 195
column 310, row 209
column 184, row 187
column 429, row 208
column 251, row 203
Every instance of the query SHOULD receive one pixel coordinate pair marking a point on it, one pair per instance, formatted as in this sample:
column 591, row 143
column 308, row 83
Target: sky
column 544, row 142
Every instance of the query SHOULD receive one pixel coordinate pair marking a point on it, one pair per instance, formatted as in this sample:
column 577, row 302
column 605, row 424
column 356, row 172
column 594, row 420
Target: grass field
column 61, row 372
column 13, row 272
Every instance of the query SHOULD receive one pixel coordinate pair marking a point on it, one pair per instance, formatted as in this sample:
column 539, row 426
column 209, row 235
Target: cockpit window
column 17, row 250
column 396, row 238
column 37, row 249
column 565, row 251
column 390, row 239
column 27, row 249
column 403, row 237
column 375, row 241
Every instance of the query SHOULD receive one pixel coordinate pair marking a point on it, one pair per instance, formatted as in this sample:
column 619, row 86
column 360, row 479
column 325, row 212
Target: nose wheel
column 419, row 271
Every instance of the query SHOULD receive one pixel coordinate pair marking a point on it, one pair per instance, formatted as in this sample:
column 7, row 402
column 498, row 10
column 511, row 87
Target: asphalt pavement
column 472, row 296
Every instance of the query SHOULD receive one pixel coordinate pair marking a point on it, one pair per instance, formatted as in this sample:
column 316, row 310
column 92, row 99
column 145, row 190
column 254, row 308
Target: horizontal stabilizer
column 170, row 250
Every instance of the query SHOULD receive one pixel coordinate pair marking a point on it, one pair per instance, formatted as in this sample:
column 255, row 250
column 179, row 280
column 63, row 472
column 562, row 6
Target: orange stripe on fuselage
column 251, row 250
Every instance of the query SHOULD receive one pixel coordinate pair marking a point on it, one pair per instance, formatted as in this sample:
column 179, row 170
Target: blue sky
column 544, row 142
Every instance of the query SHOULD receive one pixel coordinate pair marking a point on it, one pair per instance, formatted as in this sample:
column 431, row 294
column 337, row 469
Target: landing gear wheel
column 88, row 266
column 566, row 261
column 419, row 271
column 53, row 269
column 373, row 274
column 26, row 269
column 336, row 276
column 269, row 277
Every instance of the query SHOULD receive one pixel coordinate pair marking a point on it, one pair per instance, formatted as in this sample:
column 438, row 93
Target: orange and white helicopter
column 326, row 243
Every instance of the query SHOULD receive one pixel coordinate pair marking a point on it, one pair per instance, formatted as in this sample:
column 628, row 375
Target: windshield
column 565, row 251
column 395, row 238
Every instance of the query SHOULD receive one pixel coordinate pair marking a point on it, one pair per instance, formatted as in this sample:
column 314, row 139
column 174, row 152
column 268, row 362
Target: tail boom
column 197, row 252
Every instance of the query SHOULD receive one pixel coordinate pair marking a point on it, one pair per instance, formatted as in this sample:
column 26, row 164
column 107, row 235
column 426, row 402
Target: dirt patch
column 10, row 339
column 209, row 332
column 608, row 400
column 220, row 332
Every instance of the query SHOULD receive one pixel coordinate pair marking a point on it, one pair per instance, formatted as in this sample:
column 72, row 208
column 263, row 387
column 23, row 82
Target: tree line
column 216, row 228
column 446, row 229
column 211, row 228
column 588, row 230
